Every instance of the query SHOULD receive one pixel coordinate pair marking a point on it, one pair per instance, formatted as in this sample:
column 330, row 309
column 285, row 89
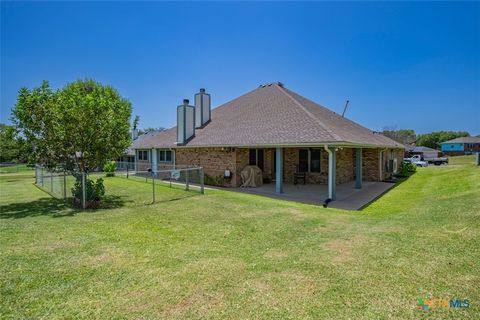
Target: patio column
column 332, row 171
column 279, row 170
column 135, row 161
column 154, row 160
column 358, row 169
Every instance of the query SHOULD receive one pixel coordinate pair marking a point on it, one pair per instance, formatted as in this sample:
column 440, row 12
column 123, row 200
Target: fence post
column 84, row 202
column 51, row 182
column 153, row 187
column 187, row 187
column 41, row 174
column 65, row 185
column 127, row 171
column 202, row 185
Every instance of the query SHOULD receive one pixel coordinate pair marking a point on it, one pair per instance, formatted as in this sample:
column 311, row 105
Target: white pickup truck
column 436, row 161
column 416, row 160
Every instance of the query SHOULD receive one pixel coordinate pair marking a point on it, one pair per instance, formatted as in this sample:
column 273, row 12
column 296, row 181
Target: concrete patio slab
column 348, row 197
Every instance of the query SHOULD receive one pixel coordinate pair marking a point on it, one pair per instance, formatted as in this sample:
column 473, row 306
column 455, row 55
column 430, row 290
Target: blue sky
column 404, row 65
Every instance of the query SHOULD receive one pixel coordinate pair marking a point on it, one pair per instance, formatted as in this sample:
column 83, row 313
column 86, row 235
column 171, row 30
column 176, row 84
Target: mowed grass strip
column 226, row 255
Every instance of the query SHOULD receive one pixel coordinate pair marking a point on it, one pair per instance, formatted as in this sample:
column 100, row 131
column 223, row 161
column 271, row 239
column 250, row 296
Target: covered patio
column 347, row 196
column 339, row 177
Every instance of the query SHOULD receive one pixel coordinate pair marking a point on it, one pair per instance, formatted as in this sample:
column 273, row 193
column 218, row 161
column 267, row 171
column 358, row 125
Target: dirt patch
column 343, row 250
column 299, row 214
column 202, row 303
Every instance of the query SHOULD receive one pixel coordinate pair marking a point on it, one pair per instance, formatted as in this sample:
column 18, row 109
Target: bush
column 109, row 168
column 94, row 190
column 214, row 181
column 407, row 168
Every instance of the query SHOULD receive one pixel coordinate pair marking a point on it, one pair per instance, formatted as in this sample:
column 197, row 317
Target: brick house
column 461, row 146
column 277, row 130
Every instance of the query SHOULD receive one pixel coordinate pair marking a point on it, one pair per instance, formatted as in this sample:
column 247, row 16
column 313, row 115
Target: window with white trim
column 164, row 155
column 309, row 160
column 142, row 155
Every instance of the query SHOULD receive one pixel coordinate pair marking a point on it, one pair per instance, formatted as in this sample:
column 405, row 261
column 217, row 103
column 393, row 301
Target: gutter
column 330, row 176
column 380, row 167
column 279, row 145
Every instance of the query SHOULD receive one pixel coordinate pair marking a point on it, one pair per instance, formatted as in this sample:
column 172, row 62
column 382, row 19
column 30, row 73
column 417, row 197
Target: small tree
column 79, row 127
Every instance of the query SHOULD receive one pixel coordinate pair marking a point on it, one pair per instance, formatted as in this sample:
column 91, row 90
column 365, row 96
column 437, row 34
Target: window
column 303, row 160
column 256, row 158
column 143, row 155
column 309, row 160
column 315, row 160
column 164, row 156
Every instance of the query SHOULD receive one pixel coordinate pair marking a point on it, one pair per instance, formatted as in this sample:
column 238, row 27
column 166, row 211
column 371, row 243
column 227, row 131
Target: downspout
column 380, row 161
column 330, row 177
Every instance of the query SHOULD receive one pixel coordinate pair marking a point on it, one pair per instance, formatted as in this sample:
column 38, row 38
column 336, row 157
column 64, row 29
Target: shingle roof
column 422, row 149
column 272, row 115
column 464, row 140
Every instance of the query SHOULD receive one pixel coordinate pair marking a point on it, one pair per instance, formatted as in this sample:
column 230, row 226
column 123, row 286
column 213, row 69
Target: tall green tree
column 11, row 146
column 80, row 126
column 405, row 136
column 434, row 139
column 35, row 119
column 136, row 121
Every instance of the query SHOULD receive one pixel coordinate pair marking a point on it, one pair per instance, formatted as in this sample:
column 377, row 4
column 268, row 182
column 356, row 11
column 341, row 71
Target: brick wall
column 345, row 165
column 370, row 164
column 242, row 160
column 213, row 160
column 216, row 160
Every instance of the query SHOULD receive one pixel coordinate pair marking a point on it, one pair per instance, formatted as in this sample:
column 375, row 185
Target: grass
column 15, row 168
column 228, row 255
column 470, row 159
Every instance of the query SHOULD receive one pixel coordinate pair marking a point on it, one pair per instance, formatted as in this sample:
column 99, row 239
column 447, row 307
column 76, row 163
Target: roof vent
column 202, row 108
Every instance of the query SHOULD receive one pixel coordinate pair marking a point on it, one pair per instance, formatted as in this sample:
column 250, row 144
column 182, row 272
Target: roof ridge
column 334, row 135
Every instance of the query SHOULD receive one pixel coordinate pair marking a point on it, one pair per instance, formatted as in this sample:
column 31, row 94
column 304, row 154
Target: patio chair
column 299, row 176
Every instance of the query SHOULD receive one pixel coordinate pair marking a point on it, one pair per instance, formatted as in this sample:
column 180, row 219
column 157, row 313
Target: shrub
column 94, row 190
column 214, row 181
column 407, row 168
column 109, row 168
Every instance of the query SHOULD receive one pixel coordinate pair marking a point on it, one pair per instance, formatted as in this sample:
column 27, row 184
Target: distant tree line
column 135, row 126
column 12, row 148
column 431, row 140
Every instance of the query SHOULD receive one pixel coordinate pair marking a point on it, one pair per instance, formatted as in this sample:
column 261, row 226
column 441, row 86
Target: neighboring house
column 461, row 146
column 425, row 152
column 127, row 160
column 277, row 130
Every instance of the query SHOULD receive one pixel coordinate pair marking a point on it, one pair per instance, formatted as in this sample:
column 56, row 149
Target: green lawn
column 226, row 255
column 15, row 168
column 470, row 159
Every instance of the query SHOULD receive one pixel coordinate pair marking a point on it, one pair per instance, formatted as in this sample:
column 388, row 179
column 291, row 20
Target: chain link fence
column 123, row 186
